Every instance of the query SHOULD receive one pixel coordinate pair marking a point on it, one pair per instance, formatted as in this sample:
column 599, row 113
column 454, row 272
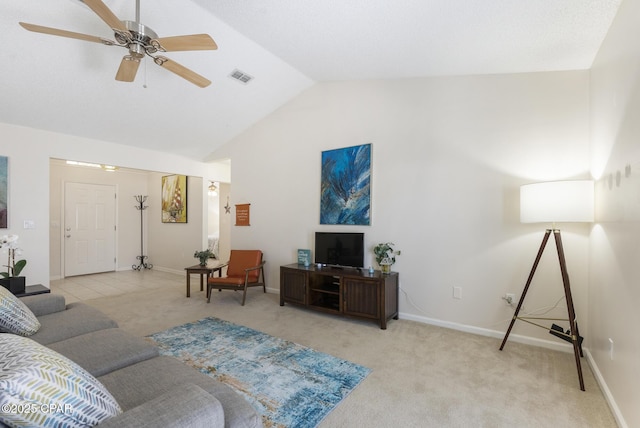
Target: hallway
column 85, row 287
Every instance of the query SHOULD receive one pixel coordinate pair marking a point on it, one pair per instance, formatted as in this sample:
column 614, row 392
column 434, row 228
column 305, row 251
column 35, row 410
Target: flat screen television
column 340, row 249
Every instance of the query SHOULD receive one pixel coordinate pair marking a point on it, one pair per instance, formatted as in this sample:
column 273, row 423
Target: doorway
column 89, row 228
column 219, row 222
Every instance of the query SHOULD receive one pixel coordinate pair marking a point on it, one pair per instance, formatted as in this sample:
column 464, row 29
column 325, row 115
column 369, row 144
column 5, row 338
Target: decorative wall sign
column 174, row 199
column 242, row 215
column 345, row 193
column 4, row 187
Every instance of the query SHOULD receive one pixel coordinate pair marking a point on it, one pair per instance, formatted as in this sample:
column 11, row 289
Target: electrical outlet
column 457, row 293
column 509, row 299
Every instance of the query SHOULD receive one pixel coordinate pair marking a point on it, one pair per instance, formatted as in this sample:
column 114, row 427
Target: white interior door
column 90, row 228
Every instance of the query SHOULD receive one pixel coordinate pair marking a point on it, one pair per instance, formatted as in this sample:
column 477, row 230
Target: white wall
column 30, row 151
column 614, row 290
column 448, row 157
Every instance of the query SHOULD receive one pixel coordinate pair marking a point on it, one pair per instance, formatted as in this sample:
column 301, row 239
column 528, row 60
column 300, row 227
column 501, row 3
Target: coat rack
column 141, row 207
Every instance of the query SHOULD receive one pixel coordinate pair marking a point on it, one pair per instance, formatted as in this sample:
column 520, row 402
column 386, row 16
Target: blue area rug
column 288, row 384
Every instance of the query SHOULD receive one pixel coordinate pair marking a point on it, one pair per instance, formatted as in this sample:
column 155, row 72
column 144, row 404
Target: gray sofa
column 152, row 390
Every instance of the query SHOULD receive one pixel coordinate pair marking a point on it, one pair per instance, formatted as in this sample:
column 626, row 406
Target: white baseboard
column 617, row 414
column 490, row 333
column 169, row 270
column 530, row 341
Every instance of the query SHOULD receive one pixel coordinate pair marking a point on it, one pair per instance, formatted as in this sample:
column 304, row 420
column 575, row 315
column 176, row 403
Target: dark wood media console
column 350, row 292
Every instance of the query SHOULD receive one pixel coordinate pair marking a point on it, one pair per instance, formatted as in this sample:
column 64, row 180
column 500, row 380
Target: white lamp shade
column 557, row 201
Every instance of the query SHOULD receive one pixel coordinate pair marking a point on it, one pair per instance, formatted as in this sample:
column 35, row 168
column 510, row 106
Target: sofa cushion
column 15, row 316
column 190, row 407
column 44, row 304
column 78, row 318
column 104, row 351
column 134, row 385
column 45, row 388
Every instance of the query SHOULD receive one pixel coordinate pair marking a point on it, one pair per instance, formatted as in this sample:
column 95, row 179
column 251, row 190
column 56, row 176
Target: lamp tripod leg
column 575, row 336
column 526, row 287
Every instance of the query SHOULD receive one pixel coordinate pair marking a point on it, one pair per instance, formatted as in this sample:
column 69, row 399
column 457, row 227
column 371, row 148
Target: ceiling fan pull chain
column 144, row 85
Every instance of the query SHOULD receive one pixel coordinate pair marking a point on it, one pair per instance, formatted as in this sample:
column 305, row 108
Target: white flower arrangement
column 10, row 243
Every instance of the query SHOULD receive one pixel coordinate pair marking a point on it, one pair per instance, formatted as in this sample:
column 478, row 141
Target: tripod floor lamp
column 551, row 202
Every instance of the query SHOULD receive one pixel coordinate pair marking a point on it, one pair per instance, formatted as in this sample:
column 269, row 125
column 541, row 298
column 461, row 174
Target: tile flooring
column 85, row 287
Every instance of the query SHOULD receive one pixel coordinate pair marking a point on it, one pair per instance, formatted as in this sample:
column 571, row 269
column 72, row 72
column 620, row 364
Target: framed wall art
column 174, row 199
column 4, row 190
column 345, row 186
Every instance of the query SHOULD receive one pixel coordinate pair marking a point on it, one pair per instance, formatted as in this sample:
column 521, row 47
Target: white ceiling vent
column 240, row 76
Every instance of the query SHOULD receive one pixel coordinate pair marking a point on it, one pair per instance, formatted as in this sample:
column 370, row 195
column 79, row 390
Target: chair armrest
column 255, row 267
column 218, row 269
column 44, row 304
column 185, row 406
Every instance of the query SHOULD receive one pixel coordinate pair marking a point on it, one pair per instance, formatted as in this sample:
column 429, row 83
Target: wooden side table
column 203, row 271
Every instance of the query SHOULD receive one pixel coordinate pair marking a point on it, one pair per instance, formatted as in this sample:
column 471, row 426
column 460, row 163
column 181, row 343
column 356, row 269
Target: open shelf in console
column 324, row 292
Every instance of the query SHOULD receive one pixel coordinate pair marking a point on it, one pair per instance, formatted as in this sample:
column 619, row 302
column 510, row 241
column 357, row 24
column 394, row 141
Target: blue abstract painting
column 345, row 193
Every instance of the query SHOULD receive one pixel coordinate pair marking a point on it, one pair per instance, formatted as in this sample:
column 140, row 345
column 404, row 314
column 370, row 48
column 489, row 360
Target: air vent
column 240, row 76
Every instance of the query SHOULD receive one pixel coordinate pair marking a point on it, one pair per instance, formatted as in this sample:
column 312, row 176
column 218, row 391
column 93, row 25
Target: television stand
column 349, row 292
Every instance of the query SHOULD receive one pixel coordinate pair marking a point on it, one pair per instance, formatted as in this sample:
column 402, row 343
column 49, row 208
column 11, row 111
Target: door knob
column 68, row 236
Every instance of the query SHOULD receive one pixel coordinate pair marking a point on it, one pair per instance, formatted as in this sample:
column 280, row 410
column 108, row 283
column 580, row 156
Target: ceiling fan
column 140, row 41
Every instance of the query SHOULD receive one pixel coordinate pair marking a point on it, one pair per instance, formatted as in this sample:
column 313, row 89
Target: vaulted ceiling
column 68, row 86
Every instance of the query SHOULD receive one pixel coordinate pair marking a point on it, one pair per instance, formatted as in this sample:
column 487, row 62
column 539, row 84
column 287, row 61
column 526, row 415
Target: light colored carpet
column 423, row 376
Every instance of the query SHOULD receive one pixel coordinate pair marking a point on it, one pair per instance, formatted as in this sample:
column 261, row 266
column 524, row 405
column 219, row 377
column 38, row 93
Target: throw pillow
column 15, row 316
column 39, row 387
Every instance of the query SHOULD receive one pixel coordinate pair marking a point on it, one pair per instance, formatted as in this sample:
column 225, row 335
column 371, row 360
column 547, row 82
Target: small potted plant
column 385, row 255
column 11, row 279
column 203, row 256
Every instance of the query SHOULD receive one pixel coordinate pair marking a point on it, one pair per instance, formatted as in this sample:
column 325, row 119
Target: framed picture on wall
column 4, row 190
column 174, row 199
column 345, row 191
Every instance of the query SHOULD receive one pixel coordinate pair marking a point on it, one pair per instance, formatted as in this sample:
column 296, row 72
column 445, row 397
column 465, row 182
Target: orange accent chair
column 245, row 268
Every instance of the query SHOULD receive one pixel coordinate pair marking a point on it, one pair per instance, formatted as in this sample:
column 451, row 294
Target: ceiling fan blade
column 65, row 33
column 128, row 69
column 192, row 42
column 106, row 15
column 182, row 71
